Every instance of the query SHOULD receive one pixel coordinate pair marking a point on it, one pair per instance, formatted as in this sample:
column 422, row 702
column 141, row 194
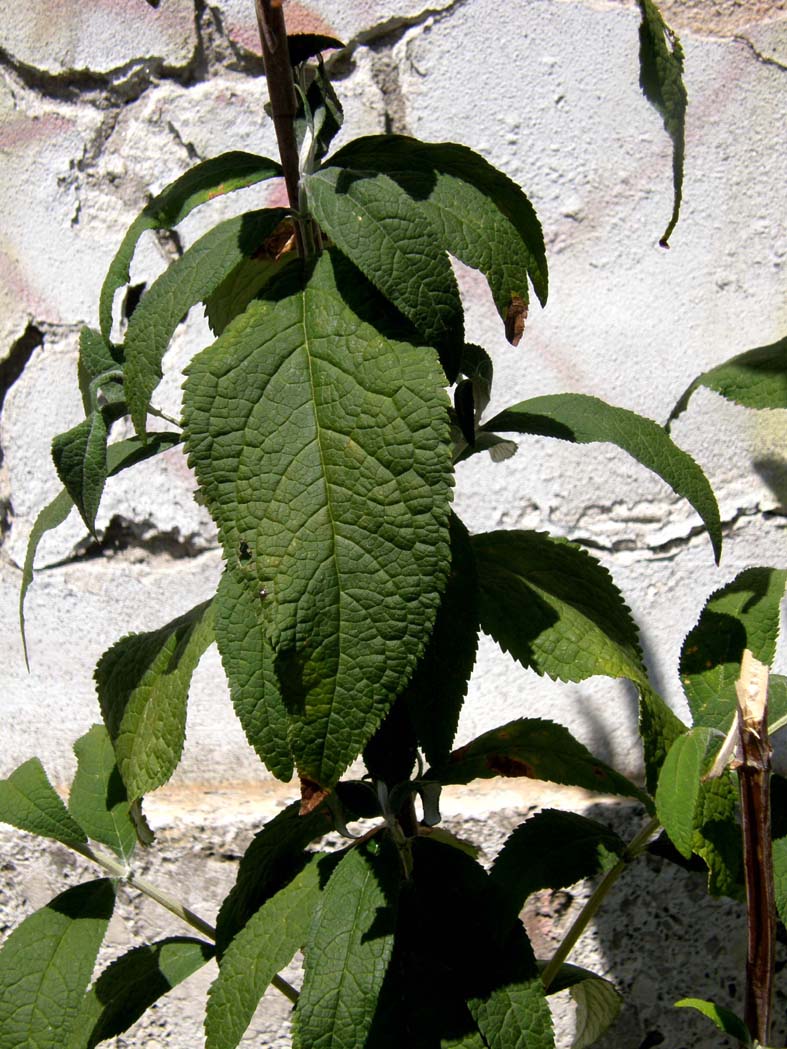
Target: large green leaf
column 554, row 607
column 582, row 419
column 321, row 443
column 273, row 858
column 726, row 1020
column 438, row 687
column 552, row 850
column 189, row 280
column 678, row 789
column 754, row 379
column 28, row 801
column 481, row 216
column 46, row 964
column 659, row 727
column 742, row 614
column 538, row 750
column 131, row 984
column 212, row 178
column 348, row 950
column 598, row 1002
column 717, row 836
column 661, row 80
column 80, row 458
column 239, row 287
column 98, row 800
column 265, row 945
column 51, row 517
column 378, row 226
column 143, row 684
column 248, row 663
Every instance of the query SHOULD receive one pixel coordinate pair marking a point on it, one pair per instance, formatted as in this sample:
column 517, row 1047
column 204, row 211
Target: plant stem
column 754, row 772
column 588, row 912
column 118, row 870
column 281, row 91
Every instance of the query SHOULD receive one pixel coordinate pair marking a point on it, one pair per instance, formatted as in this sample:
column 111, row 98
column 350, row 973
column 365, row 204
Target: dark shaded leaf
column 98, row 800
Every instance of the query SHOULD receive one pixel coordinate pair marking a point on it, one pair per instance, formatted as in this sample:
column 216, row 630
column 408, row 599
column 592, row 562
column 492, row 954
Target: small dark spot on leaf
column 281, row 241
column 244, row 553
column 312, row 795
column 516, row 314
column 263, row 593
column 505, row 766
column 599, row 773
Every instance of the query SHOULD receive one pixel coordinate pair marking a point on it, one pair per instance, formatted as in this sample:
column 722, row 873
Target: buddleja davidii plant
column 349, row 609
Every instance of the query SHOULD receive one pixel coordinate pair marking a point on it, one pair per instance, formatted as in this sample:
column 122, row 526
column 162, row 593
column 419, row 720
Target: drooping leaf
column 132, row 450
column 538, row 750
column 51, row 517
column 661, row 80
column 348, row 950
column 320, row 115
column 266, row 944
column 46, row 964
column 482, row 217
column 552, row 850
column 754, row 379
column 679, row 786
column 131, row 984
column 742, row 614
column 659, row 727
column 212, row 178
column 383, row 232
column 189, row 280
column 780, row 877
column 598, row 1002
column 272, row 860
column 97, row 356
column 303, row 46
column 321, row 443
column 554, row 607
column 143, row 683
column 582, row 419
column 724, row 1019
column 28, row 801
column 98, row 800
column 717, row 836
column 438, row 687
column 80, row 457
column 247, row 658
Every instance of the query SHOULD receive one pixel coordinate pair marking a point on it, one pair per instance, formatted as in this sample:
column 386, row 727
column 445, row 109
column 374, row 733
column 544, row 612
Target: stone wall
column 103, row 103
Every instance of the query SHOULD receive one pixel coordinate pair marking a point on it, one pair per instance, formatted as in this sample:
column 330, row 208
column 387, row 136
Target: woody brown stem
column 754, row 772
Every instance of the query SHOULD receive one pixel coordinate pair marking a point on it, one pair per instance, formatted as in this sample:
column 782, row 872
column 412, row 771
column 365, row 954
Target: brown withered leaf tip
column 505, row 766
column 516, row 315
column 278, row 243
column 312, row 795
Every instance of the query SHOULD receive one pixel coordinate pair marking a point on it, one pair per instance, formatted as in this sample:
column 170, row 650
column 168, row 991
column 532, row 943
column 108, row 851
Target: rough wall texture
column 102, row 103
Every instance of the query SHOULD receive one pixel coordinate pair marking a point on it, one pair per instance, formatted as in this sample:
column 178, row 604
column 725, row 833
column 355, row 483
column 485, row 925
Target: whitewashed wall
column 102, row 103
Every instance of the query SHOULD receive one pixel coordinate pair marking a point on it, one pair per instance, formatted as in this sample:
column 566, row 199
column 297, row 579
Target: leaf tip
column 516, row 315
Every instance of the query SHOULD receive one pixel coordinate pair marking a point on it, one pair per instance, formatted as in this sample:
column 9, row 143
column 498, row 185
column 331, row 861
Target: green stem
column 588, row 912
column 174, row 906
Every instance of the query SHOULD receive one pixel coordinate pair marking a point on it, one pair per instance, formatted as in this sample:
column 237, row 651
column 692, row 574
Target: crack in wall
column 766, row 60
column 19, row 353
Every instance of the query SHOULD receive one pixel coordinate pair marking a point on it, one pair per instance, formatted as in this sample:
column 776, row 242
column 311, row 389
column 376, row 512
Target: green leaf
column 598, row 1006
column 679, row 786
column 248, row 660
column 212, row 178
column 481, row 216
column 303, row 46
column 438, row 687
column 97, row 356
column 321, row 444
column 189, row 280
column 661, row 80
column 126, row 453
column 80, row 457
column 98, row 800
column 554, row 607
column 582, row 419
column 28, row 801
column 717, row 836
column 742, row 614
column 380, row 229
column 275, row 855
column 724, row 1019
column 780, row 877
column 131, row 984
column 539, row 750
column 53, row 515
column 754, row 379
column 348, row 950
column 143, row 683
column 659, row 727
column 46, row 964
column 242, row 284
column 265, row 945
column 552, row 850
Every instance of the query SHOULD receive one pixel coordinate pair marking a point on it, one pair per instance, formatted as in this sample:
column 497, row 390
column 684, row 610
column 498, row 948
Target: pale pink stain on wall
column 299, row 17
column 19, row 132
